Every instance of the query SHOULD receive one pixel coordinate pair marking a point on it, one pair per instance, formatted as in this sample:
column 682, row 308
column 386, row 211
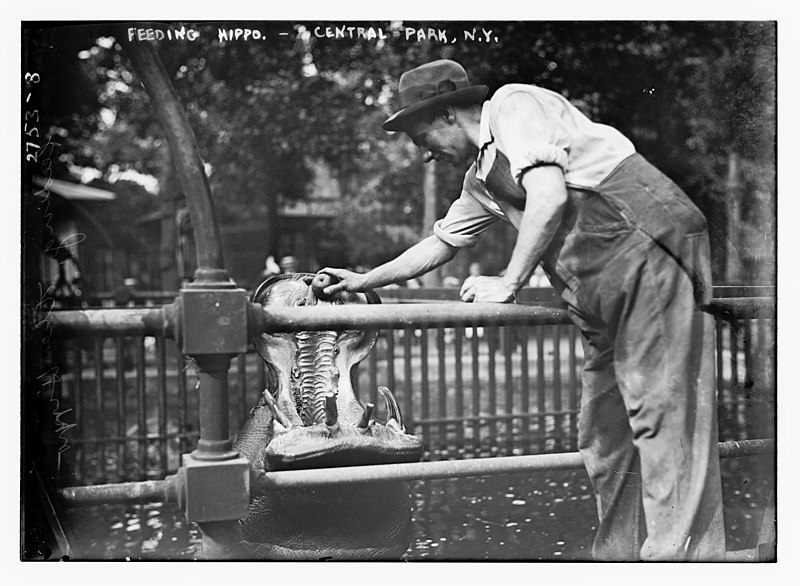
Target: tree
column 692, row 96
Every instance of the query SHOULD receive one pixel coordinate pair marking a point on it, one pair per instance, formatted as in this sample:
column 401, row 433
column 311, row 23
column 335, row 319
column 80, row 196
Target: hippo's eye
column 300, row 302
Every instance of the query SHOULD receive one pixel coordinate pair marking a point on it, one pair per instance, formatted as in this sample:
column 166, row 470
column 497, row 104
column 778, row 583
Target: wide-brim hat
column 442, row 82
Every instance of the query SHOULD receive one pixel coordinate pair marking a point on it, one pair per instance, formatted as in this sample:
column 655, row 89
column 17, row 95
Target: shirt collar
column 485, row 158
column 484, row 135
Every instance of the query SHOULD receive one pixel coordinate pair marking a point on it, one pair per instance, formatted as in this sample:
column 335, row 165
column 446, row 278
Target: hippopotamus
column 309, row 417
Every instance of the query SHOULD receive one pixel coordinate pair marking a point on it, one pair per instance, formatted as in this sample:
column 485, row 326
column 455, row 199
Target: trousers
column 634, row 269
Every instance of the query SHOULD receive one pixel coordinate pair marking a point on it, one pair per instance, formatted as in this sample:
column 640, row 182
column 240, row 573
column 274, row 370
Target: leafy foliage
column 693, row 96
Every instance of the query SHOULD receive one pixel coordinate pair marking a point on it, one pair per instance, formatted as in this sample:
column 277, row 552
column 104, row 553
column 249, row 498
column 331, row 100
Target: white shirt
column 532, row 126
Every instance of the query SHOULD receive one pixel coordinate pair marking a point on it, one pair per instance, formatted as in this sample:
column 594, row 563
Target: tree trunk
column 733, row 265
column 185, row 152
column 431, row 279
column 169, row 193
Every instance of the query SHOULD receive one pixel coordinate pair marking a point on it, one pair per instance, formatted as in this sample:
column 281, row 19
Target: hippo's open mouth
column 315, row 420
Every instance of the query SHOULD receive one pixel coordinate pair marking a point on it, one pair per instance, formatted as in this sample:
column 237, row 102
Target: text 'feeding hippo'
column 309, row 417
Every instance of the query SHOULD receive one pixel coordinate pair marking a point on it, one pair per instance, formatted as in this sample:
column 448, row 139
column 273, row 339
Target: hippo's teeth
column 394, row 425
column 392, row 410
column 276, row 413
column 331, row 413
column 363, row 423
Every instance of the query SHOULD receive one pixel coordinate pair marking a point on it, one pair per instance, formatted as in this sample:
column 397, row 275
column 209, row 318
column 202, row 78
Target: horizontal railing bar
column 526, row 294
column 169, row 489
column 461, row 468
column 145, row 321
column 120, row 493
column 499, row 416
column 160, row 321
column 77, row 441
column 410, row 315
column 743, row 308
column 722, row 291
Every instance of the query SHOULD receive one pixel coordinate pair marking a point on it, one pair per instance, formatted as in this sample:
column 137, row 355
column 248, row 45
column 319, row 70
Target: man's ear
column 448, row 114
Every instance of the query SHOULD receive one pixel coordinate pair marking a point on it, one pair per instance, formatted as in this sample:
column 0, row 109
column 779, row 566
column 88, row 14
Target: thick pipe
column 149, row 321
column 405, row 316
column 120, row 493
column 169, row 489
column 161, row 321
column 185, row 153
column 456, row 314
column 215, row 442
column 460, row 468
column 731, row 308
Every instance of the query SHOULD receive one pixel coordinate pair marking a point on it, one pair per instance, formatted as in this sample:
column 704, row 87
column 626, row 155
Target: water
column 514, row 517
column 543, row 516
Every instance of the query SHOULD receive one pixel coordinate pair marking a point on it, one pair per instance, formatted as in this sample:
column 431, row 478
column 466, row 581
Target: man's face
column 441, row 140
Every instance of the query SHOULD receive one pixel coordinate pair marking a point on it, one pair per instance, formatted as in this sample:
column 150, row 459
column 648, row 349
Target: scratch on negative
column 684, row 456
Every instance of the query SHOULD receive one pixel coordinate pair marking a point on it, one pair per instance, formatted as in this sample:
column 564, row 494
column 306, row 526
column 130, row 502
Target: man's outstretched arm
column 544, row 205
column 421, row 258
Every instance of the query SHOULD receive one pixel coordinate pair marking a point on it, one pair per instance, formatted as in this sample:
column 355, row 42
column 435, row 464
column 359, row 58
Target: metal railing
column 467, row 391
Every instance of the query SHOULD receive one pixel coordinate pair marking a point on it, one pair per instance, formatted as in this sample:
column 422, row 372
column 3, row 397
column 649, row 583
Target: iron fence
column 127, row 406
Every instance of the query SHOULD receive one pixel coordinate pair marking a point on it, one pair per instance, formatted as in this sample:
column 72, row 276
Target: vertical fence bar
column 141, row 406
column 372, row 390
column 735, row 382
column 476, row 390
column 408, row 400
column 99, row 408
column 509, row 344
column 241, row 371
column 492, row 334
column 122, row 410
column 441, row 392
column 525, row 387
column 183, row 403
column 424, row 399
column 161, row 370
column 747, row 382
column 391, row 378
column 540, row 391
column 722, row 395
column 558, row 420
column 458, row 341
column 573, row 389
column 78, row 411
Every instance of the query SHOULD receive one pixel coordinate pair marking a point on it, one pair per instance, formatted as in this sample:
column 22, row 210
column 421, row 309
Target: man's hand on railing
column 479, row 289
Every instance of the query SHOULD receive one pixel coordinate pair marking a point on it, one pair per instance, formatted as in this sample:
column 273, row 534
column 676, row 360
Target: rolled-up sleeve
column 466, row 219
column 529, row 131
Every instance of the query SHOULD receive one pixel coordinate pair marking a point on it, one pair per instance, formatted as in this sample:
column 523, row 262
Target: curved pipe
column 186, row 155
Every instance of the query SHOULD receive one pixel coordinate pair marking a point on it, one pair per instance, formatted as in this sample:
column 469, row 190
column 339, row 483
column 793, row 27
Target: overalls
column 631, row 260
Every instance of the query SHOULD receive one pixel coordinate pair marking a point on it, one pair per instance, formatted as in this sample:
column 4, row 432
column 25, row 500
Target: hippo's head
column 309, row 417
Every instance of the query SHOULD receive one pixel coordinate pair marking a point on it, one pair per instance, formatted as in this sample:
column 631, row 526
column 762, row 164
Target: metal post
column 214, row 443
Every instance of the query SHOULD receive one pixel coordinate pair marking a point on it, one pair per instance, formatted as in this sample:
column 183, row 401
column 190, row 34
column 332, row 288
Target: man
column 628, row 252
